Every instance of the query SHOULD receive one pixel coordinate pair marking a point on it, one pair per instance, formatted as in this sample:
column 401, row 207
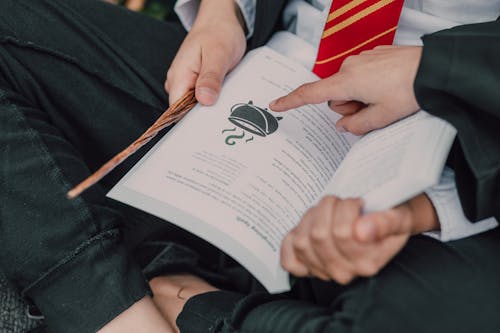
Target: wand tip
column 73, row 193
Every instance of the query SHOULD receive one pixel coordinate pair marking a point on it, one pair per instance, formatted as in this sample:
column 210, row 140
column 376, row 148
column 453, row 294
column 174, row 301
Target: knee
column 24, row 19
column 11, row 15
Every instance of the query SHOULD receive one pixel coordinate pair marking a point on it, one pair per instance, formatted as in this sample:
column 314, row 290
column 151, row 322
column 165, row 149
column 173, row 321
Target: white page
column 392, row 165
column 241, row 191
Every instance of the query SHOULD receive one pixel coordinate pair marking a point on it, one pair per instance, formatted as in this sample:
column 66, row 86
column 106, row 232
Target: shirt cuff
column 454, row 224
column 187, row 10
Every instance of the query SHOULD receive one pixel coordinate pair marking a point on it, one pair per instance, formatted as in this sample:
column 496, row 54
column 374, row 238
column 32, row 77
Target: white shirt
column 418, row 17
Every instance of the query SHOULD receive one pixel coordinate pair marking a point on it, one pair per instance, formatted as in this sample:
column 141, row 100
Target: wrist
column 423, row 215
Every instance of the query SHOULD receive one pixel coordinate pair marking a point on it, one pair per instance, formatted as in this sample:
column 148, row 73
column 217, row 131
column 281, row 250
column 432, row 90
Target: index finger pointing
column 311, row 93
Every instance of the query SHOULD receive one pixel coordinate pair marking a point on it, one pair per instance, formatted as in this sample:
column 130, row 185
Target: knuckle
column 319, row 235
column 321, row 275
column 211, row 76
column 331, row 268
column 170, row 74
column 308, row 215
column 294, row 267
column 368, row 268
column 352, row 202
column 328, row 201
column 301, row 243
column 341, row 235
column 285, row 262
column 349, row 60
column 392, row 215
column 302, row 91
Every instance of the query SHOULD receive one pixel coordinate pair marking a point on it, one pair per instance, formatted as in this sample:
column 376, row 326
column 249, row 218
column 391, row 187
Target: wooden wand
column 173, row 114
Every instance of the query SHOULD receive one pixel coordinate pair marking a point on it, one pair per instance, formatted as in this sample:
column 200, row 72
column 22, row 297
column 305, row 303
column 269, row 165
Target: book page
column 394, row 164
column 238, row 174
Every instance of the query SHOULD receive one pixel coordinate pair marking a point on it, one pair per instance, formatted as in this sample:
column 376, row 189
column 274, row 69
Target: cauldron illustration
column 254, row 119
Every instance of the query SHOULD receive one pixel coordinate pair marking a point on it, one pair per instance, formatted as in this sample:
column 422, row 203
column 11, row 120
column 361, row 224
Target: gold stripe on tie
column 321, row 62
column 344, row 9
column 356, row 17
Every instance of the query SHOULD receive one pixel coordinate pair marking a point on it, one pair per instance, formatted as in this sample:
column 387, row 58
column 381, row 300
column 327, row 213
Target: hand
column 215, row 44
column 371, row 90
column 335, row 242
column 171, row 292
column 135, row 5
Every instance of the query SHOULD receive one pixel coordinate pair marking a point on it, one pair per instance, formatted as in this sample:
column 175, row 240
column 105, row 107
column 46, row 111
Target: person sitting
column 84, row 78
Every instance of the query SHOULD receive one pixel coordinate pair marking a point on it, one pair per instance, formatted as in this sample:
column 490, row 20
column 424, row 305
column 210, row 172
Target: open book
column 241, row 176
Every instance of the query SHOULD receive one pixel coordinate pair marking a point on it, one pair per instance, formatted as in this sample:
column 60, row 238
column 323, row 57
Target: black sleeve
column 459, row 80
column 225, row 312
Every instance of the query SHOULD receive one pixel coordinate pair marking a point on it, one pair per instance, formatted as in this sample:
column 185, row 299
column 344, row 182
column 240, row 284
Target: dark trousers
column 79, row 80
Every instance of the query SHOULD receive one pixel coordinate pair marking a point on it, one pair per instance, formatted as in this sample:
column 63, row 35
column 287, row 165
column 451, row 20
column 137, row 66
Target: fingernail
column 273, row 103
column 366, row 230
column 210, row 94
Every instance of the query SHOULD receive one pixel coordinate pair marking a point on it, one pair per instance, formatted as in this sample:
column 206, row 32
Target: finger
column 350, row 251
column 346, row 212
column 213, row 70
column 135, row 5
column 179, row 82
column 289, row 261
column 375, row 227
column 332, row 262
column 303, row 245
column 379, row 254
column 182, row 74
column 312, row 93
column 346, row 107
column 365, row 120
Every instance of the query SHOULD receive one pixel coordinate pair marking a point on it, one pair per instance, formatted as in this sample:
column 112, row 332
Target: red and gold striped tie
column 354, row 26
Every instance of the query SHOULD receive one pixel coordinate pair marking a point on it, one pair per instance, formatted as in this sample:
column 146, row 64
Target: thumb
column 374, row 227
column 212, row 73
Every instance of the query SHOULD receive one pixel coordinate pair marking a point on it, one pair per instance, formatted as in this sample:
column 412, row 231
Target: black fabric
column 267, row 21
column 458, row 80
